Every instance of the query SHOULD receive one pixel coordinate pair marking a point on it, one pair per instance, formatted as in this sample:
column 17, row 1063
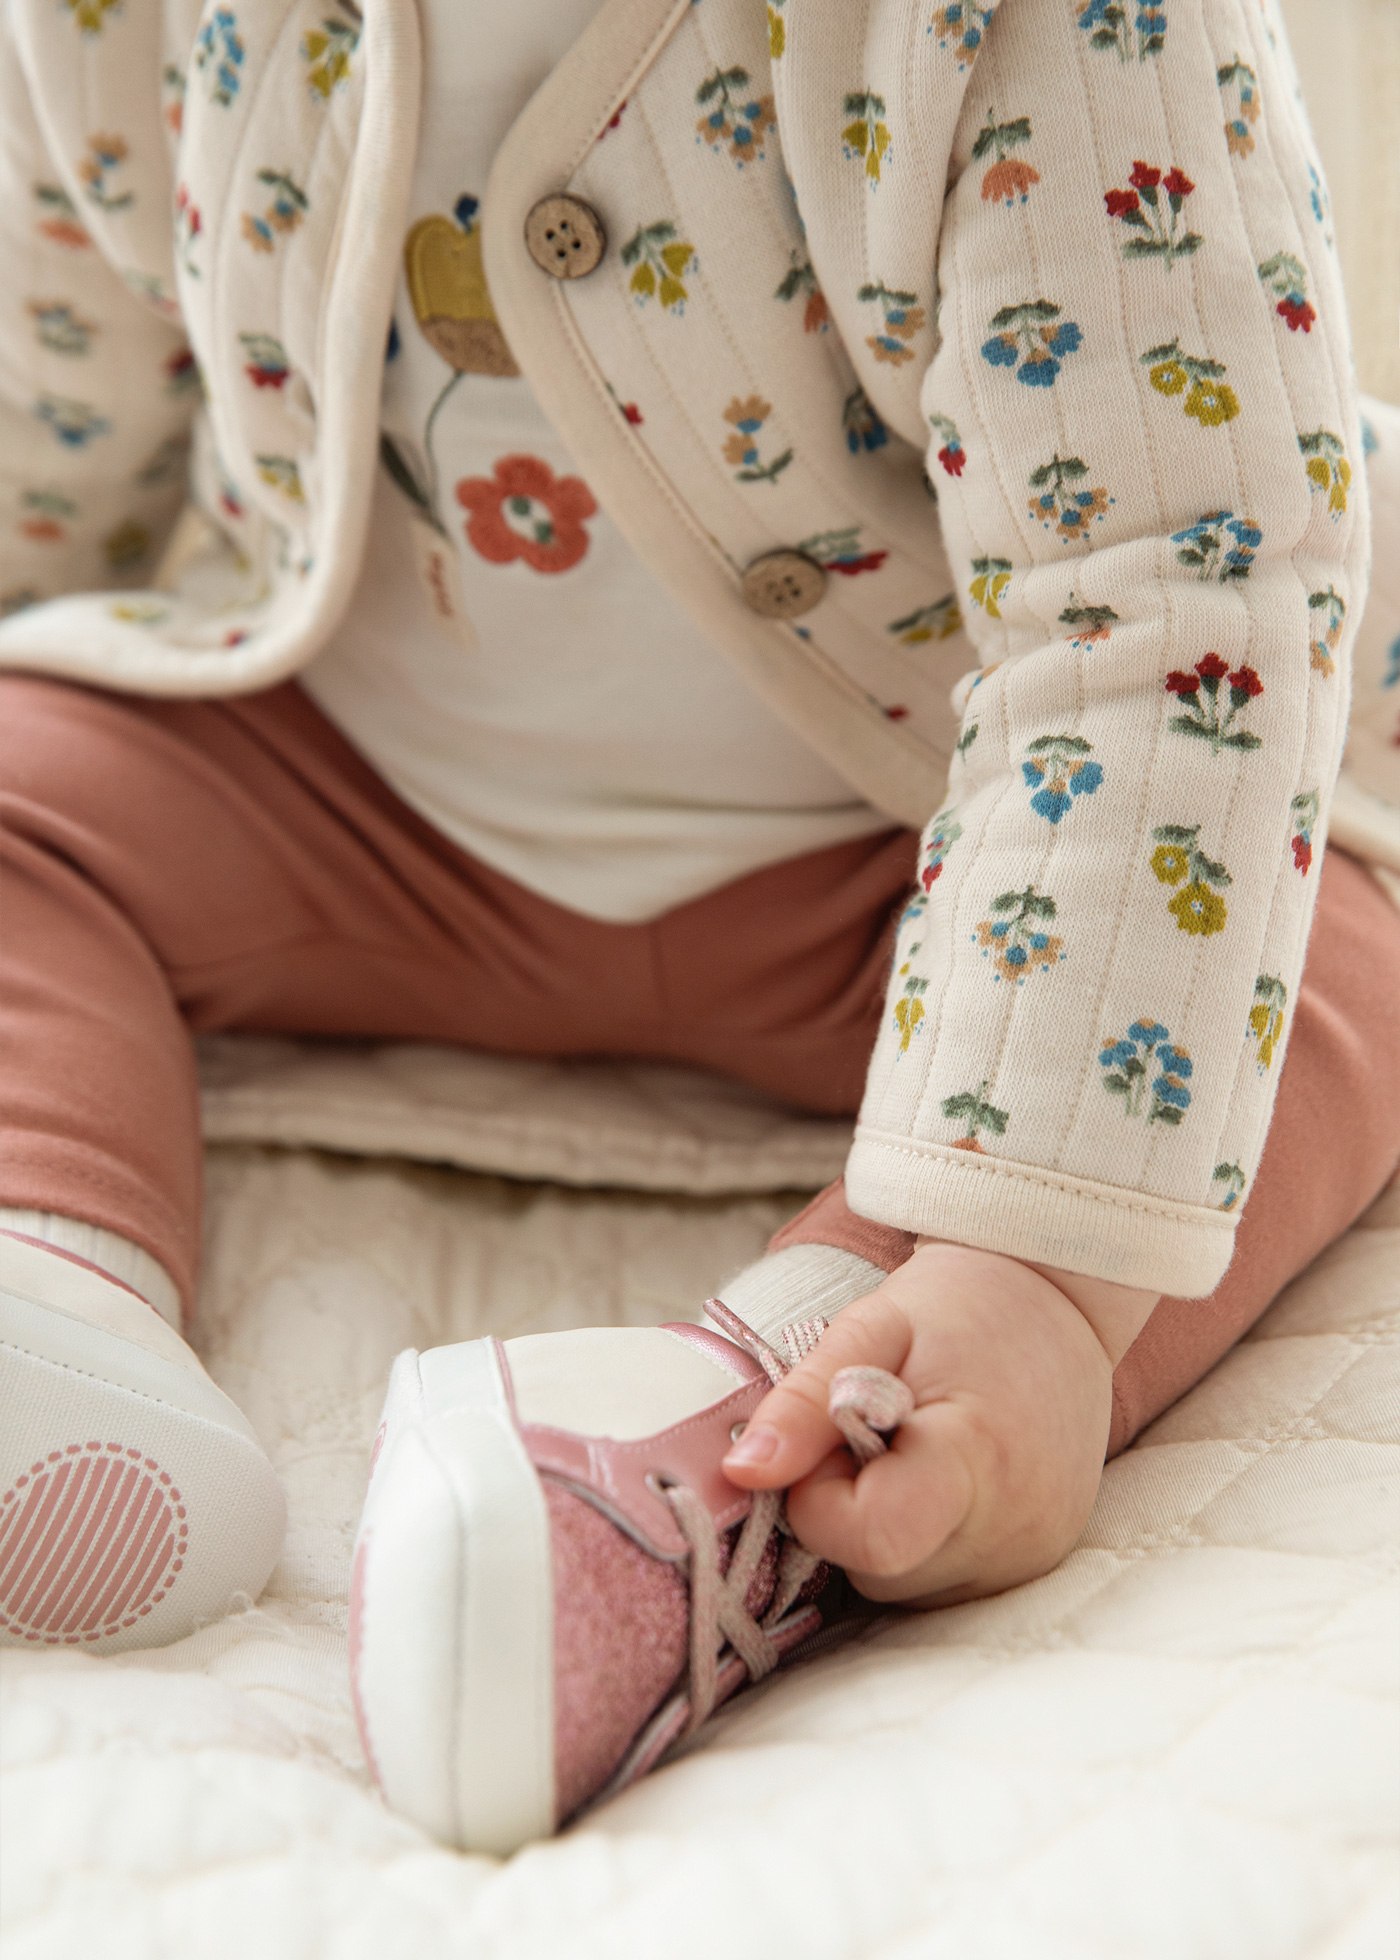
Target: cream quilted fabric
column 1183, row 1744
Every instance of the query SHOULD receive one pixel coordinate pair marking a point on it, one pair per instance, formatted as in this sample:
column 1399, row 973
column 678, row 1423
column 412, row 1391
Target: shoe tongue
column 623, row 1382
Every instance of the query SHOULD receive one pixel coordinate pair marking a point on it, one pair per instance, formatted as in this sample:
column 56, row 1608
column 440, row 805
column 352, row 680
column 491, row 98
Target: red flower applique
column 525, row 511
column 1211, row 667
column 1144, row 177
column 1176, row 183
column 1120, row 203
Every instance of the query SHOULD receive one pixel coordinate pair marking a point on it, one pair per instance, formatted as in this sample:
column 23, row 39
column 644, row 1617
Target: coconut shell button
column 783, row 584
column 565, row 237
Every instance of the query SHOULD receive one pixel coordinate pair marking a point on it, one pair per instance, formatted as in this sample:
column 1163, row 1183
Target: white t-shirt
column 508, row 664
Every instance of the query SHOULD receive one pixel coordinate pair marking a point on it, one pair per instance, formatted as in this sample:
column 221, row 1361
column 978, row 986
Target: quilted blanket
column 1183, row 1744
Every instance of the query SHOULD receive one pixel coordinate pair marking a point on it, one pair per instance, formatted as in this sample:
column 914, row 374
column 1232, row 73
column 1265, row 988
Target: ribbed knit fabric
column 131, row 1264
column 798, row 1281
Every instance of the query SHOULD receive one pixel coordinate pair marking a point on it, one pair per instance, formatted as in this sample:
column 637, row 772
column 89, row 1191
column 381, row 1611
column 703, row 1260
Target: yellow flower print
column 1209, row 400
column 777, row 29
column 1196, row 908
column 936, row 622
column 91, row 15
column 991, row 578
column 327, row 51
column 1179, row 860
column 909, row 1008
column 281, row 473
column 1266, row 1017
column 1212, row 403
column 660, row 261
column 867, row 135
column 1327, row 467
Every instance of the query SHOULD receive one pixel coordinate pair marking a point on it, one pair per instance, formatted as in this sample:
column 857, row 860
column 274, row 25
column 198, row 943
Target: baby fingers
column 891, row 1517
column 792, row 1428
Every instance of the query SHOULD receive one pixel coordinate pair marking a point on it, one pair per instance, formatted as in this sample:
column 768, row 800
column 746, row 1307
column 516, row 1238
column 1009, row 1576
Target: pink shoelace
column 866, row 1405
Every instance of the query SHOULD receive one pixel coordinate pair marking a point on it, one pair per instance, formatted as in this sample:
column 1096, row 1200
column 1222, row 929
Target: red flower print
column 1244, row 681
column 1297, row 313
column 1144, row 177
column 1211, row 667
column 953, row 460
column 1121, row 203
column 897, row 714
column 869, row 561
column 632, row 414
column 1302, row 853
column 1179, row 683
column 1176, row 183
column 523, row 510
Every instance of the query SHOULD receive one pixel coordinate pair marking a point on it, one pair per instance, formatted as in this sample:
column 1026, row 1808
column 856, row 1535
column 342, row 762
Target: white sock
column 119, row 1258
column 796, row 1282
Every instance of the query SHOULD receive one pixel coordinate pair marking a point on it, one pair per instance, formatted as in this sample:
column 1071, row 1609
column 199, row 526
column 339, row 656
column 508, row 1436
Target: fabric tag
column 436, row 563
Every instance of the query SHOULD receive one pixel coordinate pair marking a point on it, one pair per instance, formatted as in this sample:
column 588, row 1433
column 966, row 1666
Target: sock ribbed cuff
column 798, row 1281
column 119, row 1258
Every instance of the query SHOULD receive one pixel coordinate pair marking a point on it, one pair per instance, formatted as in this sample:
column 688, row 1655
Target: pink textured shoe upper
column 620, row 1627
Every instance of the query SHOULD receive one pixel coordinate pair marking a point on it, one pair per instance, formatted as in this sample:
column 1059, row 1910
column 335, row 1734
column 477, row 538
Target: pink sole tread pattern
column 92, row 1538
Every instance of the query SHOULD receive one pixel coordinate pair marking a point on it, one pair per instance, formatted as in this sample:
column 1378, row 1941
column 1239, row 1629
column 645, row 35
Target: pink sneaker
column 554, row 1581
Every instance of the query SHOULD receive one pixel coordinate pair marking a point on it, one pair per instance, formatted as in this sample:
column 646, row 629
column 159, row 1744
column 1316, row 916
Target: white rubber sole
column 135, row 1501
column 451, row 1608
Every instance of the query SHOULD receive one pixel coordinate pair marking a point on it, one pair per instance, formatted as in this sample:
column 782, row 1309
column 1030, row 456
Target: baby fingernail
column 757, row 1445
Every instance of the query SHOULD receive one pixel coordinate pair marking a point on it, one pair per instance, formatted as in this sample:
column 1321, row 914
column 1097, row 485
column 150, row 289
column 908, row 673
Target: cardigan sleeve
column 97, row 383
column 1145, row 441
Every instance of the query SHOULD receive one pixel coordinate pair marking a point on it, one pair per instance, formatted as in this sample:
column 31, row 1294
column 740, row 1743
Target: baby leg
column 164, row 866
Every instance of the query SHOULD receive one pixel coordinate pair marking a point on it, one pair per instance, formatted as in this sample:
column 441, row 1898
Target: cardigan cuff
column 1028, row 1213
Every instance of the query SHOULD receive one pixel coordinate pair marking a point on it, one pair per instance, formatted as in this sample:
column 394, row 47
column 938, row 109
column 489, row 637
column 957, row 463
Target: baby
column 824, row 542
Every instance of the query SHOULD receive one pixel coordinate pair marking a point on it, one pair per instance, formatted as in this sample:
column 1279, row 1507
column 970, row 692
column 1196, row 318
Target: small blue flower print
column 1392, row 671
column 960, row 26
column 863, row 426
column 219, row 55
column 1219, row 546
column 73, row 423
column 1058, row 770
column 1149, row 1071
column 1133, row 27
column 1032, row 339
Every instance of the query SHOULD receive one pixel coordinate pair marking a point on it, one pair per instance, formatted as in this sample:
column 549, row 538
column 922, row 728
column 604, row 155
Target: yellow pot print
column 447, row 286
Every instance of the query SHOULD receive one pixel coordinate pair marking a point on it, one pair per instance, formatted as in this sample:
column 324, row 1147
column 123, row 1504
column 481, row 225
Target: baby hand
column 990, row 1480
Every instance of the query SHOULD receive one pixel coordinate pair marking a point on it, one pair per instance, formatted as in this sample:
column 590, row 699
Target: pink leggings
column 169, row 867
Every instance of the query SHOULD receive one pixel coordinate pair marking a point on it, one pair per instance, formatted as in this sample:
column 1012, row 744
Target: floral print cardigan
column 1021, row 321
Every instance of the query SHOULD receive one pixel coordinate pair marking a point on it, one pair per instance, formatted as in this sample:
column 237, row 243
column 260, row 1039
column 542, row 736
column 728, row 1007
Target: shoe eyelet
column 737, row 1431
column 658, row 1483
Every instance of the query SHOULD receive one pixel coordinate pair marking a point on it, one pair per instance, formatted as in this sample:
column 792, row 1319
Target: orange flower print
column 523, row 510
column 59, row 222
column 1009, row 179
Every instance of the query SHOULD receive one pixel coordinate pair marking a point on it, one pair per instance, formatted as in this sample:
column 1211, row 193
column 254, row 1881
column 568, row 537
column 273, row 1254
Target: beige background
column 1348, row 54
